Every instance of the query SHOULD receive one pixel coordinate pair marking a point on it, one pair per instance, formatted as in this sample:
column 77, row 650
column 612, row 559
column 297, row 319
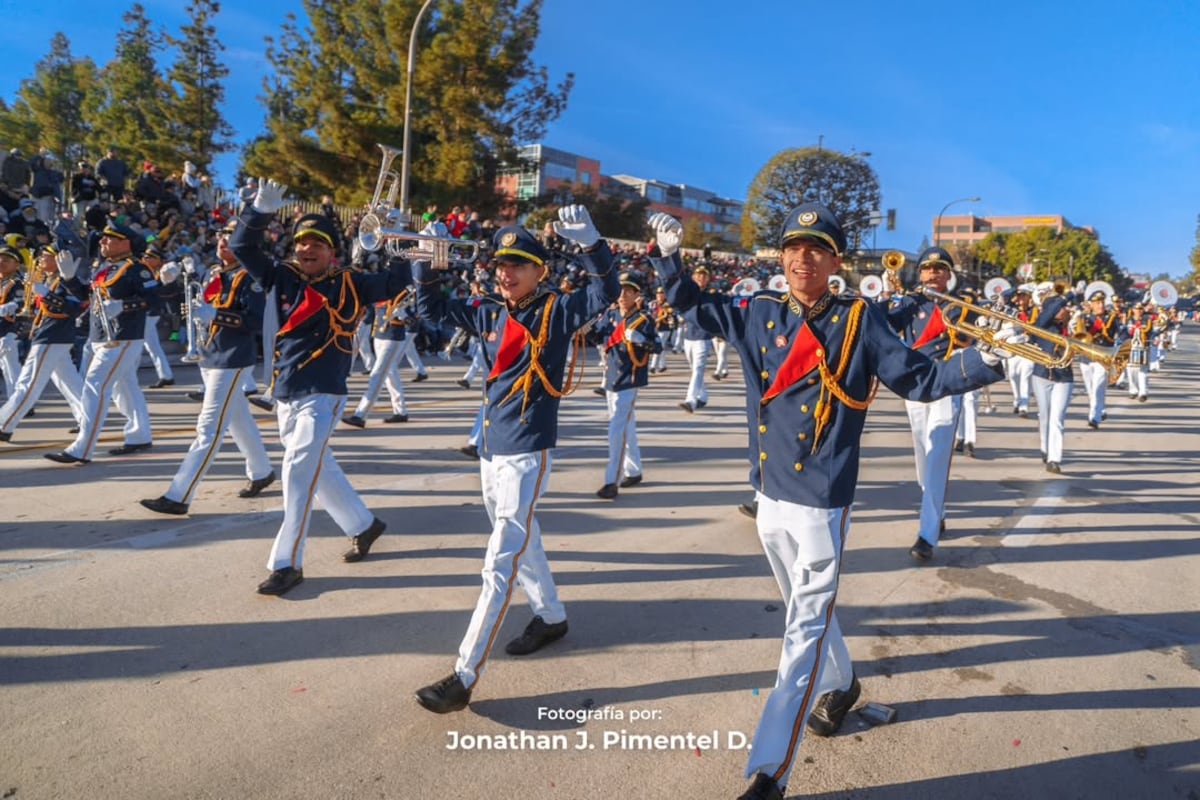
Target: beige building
column 967, row 229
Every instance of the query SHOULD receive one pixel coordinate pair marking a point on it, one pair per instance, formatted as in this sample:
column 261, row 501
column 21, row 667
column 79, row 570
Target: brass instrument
column 33, row 277
column 893, row 262
column 386, row 226
column 108, row 325
column 1064, row 349
column 191, row 291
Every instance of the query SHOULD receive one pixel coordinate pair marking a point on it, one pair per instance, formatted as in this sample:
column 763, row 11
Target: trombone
column 386, row 226
column 1063, row 349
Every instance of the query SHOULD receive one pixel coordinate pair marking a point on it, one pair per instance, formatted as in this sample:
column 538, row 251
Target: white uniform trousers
column 624, row 456
column 658, row 361
column 10, row 364
column 112, row 376
column 1095, row 382
column 696, row 352
column 270, row 327
column 44, row 363
column 803, row 545
column 1020, row 371
column 512, row 486
column 722, row 349
column 154, row 347
column 225, row 408
column 967, row 419
column 362, row 345
column 311, row 474
column 478, row 366
column 386, row 370
column 476, row 435
column 677, row 340
column 1052, row 400
column 933, row 427
column 408, row 350
column 85, row 358
column 1138, row 381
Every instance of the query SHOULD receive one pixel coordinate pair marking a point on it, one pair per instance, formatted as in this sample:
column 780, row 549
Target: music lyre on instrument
column 386, row 226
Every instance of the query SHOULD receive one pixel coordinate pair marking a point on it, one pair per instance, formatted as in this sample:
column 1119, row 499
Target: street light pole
column 412, row 60
column 937, row 225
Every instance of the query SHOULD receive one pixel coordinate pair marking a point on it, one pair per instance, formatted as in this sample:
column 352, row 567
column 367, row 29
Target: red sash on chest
column 617, row 335
column 213, row 290
column 803, row 358
column 935, row 328
column 511, row 344
column 311, row 303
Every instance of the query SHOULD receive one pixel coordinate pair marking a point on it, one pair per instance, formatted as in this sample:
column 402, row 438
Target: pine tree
column 199, row 130
column 49, row 110
column 339, row 85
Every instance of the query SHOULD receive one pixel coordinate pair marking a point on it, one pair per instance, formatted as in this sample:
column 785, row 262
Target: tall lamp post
column 412, row 60
column 937, row 225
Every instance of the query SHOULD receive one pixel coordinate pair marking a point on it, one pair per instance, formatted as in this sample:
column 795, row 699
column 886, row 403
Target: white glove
column 634, row 337
column 169, row 272
column 205, row 314
column 575, row 223
column 189, row 264
column 1007, row 334
column 269, row 197
column 112, row 308
column 8, row 309
column 668, row 232
column 68, row 264
column 435, row 228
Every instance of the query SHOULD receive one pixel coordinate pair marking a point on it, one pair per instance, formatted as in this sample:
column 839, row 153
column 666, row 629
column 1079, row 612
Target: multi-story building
column 967, row 229
column 543, row 171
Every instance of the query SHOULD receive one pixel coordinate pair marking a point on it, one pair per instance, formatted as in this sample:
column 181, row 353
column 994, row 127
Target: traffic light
column 891, row 219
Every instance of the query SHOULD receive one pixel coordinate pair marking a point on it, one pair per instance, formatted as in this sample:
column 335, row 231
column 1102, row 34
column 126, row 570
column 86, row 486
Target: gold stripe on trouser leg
column 105, row 390
column 218, row 435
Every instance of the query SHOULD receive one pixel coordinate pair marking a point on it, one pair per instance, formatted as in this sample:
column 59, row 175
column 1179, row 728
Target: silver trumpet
column 190, row 292
column 386, row 226
column 108, row 325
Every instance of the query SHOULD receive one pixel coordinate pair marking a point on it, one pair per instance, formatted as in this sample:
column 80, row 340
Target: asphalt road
column 1051, row 649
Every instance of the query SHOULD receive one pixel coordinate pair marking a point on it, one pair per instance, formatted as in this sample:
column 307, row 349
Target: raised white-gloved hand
column 169, row 272
column 269, row 197
column 112, row 308
column 634, row 336
column 8, row 309
column 668, row 232
column 575, row 223
column 190, row 265
column 68, row 264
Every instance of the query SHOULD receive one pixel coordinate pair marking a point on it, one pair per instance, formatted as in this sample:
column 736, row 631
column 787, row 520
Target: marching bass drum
column 871, row 286
column 995, row 287
column 1099, row 286
column 778, row 283
column 746, row 287
column 1164, row 294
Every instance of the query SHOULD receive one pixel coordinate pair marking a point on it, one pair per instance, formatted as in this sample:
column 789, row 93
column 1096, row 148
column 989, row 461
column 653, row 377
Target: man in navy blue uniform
column 388, row 337
column 319, row 304
column 810, row 361
column 629, row 341
column 520, row 427
column 1053, row 386
column 697, row 343
column 231, row 311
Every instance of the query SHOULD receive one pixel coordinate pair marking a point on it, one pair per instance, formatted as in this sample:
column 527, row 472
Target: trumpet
column 190, row 300
column 1063, row 350
column 893, row 262
column 386, row 226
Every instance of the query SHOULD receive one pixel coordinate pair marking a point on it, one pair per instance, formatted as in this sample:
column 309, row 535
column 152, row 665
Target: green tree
column 199, row 130
column 1073, row 254
column 132, row 112
column 49, row 111
column 694, row 235
column 844, row 183
column 615, row 217
column 339, row 85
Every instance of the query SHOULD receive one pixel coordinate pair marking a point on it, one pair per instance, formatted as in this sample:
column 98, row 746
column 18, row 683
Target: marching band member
column 1052, row 386
column 1096, row 325
column 629, row 339
column 12, row 297
column 810, row 359
column 121, row 288
column 153, row 259
column 921, row 323
column 52, row 334
column 1019, row 369
column 319, row 305
column 389, row 336
column 664, row 323
column 965, row 432
column 520, row 428
column 696, row 342
column 1136, row 330
column 230, row 311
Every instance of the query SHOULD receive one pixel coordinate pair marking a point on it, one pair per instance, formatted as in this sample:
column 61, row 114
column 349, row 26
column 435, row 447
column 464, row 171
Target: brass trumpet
column 893, row 262
column 1063, row 350
column 386, row 226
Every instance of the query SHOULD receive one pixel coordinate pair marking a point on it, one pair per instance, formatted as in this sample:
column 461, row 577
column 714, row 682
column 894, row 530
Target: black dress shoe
column 63, row 457
column 129, row 449
column 749, row 509
column 921, row 550
column 958, row 445
column 1052, row 466
column 445, row 696
column 1093, row 424
column 424, row 376
column 161, row 382
column 394, row 418
column 970, row 448
column 600, row 390
column 6, row 437
column 261, row 402
column 631, row 480
column 536, row 636
column 362, row 543
column 354, row 420
column 197, row 397
column 688, row 407
column 763, row 788
column 1024, row 414
column 464, row 383
column 31, row 413
column 470, row 451
column 607, row 492
column 73, row 430
column 701, row 403
column 281, row 581
column 254, row 488
column 831, row 708
column 164, row 505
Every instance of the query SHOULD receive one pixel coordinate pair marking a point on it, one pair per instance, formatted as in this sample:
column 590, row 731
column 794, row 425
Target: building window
column 655, row 194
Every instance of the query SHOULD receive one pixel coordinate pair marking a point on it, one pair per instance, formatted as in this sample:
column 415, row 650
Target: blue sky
column 1086, row 109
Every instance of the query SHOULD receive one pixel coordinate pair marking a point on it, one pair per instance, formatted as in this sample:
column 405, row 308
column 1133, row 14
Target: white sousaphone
column 871, row 286
column 1164, row 294
column 995, row 287
column 1099, row 286
column 778, row 283
column 746, row 287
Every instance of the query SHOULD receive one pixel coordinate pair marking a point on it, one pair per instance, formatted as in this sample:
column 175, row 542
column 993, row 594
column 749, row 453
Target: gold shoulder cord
column 340, row 327
column 536, row 344
column 831, row 382
column 637, row 363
